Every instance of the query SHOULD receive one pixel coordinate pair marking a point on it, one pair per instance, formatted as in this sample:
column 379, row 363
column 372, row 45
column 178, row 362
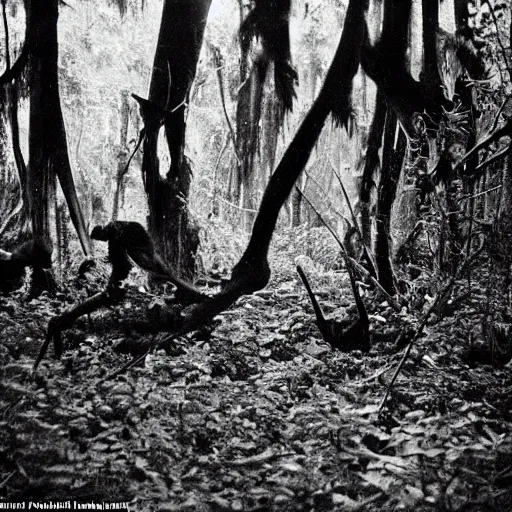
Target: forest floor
column 259, row 414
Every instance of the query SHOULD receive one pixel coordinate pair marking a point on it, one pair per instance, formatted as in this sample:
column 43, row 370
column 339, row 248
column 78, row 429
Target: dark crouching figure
column 35, row 253
column 129, row 241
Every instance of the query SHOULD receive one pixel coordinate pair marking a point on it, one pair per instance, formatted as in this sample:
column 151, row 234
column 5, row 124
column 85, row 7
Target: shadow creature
column 35, row 253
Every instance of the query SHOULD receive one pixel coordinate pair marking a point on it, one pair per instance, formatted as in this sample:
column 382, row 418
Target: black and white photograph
column 256, row 255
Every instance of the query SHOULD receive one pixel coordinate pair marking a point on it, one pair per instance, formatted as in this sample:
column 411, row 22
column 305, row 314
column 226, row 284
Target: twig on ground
column 136, row 360
column 4, row 482
column 374, row 376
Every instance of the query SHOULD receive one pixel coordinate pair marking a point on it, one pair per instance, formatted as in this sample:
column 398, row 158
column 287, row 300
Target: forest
column 255, row 255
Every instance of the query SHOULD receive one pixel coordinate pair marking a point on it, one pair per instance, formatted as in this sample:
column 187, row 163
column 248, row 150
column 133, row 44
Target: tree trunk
column 122, row 154
column 394, row 39
column 248, row 115
column 18, row 155
column 430, row 76
column 174, row 68
column 461, row 16
column 496, row 323
column 268, row 23
column 371, row 166
column 11, row 99
column 272, row 120
column 505, row 225
column 4, row 156
column 295, row 204
column 465, row 90
column 392, row 160
column 48, row 152
column 430, row 9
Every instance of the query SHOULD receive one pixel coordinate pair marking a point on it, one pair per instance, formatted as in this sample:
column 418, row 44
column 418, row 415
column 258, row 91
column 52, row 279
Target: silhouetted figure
column 129, row 241
column 35, row 253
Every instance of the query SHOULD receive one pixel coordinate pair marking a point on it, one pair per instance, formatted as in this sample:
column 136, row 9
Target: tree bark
column 394, row 40
column 11, row 98
column 430, row 76
column 295, row 204
column 430, row 9
column 48, row 151
column 392, row 160
column 122, row 154
column 505, row 222
column 174, row 68
column 248, row 118
column 371, row 166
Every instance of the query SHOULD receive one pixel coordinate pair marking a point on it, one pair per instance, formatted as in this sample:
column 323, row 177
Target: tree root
column 111, row 296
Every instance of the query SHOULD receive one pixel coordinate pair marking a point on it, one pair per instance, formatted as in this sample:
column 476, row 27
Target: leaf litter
column 257, row 415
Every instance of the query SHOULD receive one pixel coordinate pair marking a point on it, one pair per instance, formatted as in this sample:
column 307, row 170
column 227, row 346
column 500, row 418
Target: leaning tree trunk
column 174, row 68
column 48, row 151
column 252, row 272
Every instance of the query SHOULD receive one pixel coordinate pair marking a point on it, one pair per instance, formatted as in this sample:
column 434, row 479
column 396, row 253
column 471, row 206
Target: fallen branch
column 5, row 481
